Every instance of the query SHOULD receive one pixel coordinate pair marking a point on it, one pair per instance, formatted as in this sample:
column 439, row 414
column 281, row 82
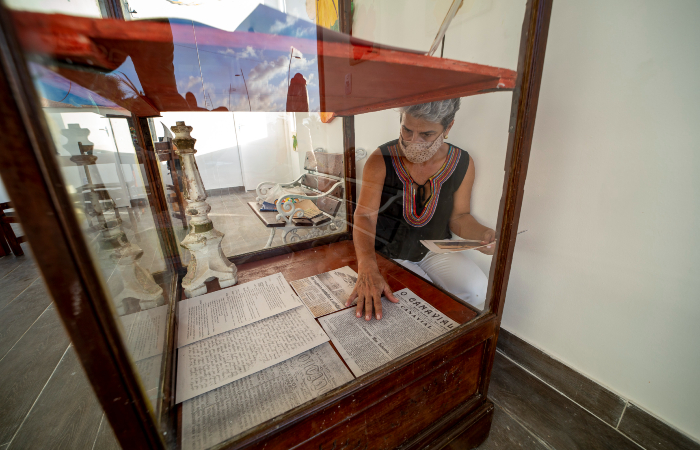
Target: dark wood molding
column 149, row 162
column 652, row 433
column 350, row 169
column 551, row 417
column 601, row 402
column 345, row 26
column 533, row 43
column 113, row 9
column 289, row 248
column 345, row 16
column 34, row 182
column 476, row 423
column 630, row 420
column 165, row 405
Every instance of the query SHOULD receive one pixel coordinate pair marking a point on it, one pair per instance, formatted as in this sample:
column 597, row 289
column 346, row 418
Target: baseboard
column 225, row 191
column 643, row 428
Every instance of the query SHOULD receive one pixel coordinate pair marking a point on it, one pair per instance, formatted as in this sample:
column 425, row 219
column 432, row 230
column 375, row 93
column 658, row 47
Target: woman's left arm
column 462, row 223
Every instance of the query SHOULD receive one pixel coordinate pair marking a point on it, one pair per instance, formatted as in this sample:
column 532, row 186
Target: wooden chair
column 322, row 184
column 8, row 240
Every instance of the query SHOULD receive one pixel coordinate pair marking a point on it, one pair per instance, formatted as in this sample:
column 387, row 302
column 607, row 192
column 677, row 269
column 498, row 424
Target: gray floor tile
column 551, row 417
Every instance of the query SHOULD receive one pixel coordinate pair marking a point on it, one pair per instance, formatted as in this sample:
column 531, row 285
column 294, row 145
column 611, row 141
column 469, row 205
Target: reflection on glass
column 482, row 31
column 250, row 165
column 101, row 171
column 241, row 114
column 416, row 190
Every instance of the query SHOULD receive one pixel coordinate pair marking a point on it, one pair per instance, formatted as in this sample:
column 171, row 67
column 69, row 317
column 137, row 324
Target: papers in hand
column 214, row 362
column 366, row 345
column 217, row 312
column 327, row 292
column 451, row 246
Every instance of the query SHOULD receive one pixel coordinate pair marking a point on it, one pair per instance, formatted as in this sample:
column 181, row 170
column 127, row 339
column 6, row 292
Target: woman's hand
column 488, row 237
column 368, row 292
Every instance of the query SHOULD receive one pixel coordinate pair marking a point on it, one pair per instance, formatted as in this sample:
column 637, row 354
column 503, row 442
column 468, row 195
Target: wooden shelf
column 146, row 66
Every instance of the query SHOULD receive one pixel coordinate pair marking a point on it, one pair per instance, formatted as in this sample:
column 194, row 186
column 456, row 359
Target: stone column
column 130, row 279
column 203, row 241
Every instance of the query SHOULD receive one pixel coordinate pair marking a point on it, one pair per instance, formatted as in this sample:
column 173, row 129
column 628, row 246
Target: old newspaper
column 211, row 418
column 226, row 357
column 404, row 326
column 327, row 292
column 217, row 312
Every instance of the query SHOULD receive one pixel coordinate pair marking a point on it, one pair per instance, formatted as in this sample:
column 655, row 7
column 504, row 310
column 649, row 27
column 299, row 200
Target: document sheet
column 327, row 292
column 404, row 326
column 226, row 357
column 217, row 312
column 145, row 332
column 451, row 246
column 223, row 413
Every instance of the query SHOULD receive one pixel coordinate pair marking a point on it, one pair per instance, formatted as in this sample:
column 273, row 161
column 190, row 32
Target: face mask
column 418, row 152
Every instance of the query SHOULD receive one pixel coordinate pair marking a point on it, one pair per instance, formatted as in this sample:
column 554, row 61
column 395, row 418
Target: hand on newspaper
column 368, row 291
column 489, row 237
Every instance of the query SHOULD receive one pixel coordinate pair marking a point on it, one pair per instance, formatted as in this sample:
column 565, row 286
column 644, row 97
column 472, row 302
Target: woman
column 415, row 188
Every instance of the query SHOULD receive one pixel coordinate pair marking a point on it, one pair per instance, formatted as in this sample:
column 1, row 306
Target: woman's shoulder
column 461, row 150
column 462, row 165
column 375, row 167
column 463, row 154
column 384, row 148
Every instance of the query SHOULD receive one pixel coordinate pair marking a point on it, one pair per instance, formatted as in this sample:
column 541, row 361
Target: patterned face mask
column 418, row 152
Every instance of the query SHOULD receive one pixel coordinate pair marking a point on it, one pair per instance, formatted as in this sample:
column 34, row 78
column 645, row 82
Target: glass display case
column 201, row 196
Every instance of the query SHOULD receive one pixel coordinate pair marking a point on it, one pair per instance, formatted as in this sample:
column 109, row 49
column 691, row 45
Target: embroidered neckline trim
column 436, row 181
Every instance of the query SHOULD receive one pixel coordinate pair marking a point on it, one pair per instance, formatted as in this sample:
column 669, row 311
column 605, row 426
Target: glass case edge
column 27, row 166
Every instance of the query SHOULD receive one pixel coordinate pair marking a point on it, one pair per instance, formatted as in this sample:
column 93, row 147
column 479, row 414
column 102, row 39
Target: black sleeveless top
column 404, row 220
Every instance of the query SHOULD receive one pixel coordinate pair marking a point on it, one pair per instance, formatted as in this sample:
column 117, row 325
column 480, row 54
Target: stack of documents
column 245, row 355
column 252, row 352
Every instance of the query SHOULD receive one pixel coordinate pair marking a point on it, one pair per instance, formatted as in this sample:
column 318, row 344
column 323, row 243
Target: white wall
column 217, row 148
column 265, row 144
column 4, row 197
column 87, row 8
column 606, row 277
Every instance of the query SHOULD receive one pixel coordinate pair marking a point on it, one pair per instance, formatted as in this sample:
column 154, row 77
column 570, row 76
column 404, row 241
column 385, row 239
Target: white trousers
column 454, row 272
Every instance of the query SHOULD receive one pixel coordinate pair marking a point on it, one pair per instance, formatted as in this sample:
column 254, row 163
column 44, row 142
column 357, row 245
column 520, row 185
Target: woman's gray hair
column 442, row 112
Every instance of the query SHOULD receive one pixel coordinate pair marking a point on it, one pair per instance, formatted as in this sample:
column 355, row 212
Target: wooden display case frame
column 32, row 177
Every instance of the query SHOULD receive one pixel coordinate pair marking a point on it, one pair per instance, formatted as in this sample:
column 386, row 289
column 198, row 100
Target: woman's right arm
column 370, row 283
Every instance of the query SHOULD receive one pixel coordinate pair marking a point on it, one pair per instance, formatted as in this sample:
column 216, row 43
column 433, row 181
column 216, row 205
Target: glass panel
column 482, row 31
column 245, row 159
column 243, row 151
column 102, row 166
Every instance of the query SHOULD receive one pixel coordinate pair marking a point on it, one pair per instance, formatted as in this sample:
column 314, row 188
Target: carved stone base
column 206, row 263
column 133, row 281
